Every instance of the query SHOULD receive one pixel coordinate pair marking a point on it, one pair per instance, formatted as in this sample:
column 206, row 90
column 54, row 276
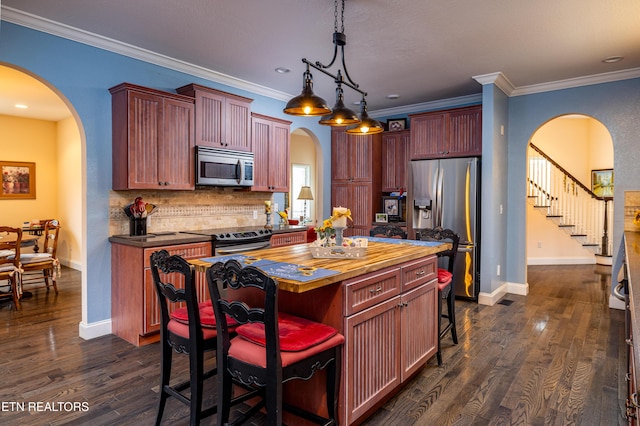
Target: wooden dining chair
column 10, row 263
column 43, row 265
column 270, row 348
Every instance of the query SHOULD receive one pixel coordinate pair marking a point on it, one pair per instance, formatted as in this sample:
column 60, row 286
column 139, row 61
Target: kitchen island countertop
column 379, row 255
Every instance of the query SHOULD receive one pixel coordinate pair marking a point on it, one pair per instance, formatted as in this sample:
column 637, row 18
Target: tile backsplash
column 190, row 210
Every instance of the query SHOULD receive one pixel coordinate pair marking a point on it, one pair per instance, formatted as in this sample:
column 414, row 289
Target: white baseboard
column 94, row 329
column 71, row 264
column 561, row 260
column 615, row 303
column 494, row 297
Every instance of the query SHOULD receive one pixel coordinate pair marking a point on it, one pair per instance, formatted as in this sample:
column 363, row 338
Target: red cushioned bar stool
column 445, row 282
column 270, row 348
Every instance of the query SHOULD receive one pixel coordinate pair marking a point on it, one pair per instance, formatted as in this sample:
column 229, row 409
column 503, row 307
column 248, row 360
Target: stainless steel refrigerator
column 446, row 193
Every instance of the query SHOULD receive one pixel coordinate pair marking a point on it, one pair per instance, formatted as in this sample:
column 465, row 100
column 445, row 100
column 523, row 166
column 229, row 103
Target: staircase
column 572, row 206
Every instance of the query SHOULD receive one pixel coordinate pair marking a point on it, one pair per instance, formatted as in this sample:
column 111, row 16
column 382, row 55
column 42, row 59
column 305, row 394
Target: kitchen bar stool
column 271, row 347
column 445, row 282
column 183, row 332
column 388, row 231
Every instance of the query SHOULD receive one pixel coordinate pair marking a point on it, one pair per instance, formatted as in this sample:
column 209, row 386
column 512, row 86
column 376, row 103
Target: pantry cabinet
column 395, row 158
column 450, row 133
column 271, row 139
column 356, row 177
column 152, row 139
column 222, row 120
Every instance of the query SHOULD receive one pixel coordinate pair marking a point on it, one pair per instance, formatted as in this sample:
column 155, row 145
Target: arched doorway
column 305, row 152
column 565, row 224
column 48, row 133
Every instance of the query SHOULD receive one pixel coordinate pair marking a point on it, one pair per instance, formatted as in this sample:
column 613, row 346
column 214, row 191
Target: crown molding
column 48, row 26
column 38, row 23
column 588, row 80
column 428, row 106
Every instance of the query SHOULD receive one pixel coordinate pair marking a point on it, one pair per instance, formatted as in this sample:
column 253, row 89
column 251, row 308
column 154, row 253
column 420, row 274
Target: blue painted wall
column 83, row 75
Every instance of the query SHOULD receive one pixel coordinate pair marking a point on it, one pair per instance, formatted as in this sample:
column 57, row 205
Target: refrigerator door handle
column 439, row 198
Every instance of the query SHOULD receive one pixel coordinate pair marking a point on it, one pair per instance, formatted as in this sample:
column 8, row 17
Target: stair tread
column 578, row 235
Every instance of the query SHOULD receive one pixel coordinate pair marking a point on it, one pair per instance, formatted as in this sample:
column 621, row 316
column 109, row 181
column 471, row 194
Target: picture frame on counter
column 397, row 124
column 392, row 207
column 18, row 180
column 382, row 218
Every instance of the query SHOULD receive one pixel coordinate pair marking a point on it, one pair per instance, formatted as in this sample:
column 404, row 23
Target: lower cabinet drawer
column 419, row 272
column 370, row 289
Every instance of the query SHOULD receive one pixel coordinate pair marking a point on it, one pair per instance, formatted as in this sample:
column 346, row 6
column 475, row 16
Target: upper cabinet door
column 271, row 140
column 451, row 133
column 223, row 120
column 351, row 156
column 153, row 139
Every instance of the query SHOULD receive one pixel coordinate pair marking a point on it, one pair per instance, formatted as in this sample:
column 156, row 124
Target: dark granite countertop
column 158, row 239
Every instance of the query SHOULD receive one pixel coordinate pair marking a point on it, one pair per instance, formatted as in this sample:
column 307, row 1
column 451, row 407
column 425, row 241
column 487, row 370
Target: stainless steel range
column 234, row 240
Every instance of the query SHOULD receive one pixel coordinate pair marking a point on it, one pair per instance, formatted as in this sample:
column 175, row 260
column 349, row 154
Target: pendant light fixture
column 367, row 125
column 307, row 103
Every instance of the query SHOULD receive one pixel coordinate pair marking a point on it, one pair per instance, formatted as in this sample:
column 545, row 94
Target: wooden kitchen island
column 385, row 304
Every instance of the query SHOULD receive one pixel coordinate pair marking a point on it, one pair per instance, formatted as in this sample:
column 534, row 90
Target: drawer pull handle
column 377, row 290
column 627, row 377
column 420, row 272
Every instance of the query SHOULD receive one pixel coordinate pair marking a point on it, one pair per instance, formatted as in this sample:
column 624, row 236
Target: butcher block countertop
column 378, row 256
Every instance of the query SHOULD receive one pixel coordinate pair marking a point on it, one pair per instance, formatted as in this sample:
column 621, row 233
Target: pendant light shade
column 306, row 103
column 340, row 114
column 367, row 125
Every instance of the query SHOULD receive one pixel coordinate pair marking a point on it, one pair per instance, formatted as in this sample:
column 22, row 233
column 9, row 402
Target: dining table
column 7, row 241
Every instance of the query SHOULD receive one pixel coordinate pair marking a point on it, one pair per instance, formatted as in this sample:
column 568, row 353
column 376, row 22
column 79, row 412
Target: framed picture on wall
column 602, row 182
column 18, row 180
column 397, row 124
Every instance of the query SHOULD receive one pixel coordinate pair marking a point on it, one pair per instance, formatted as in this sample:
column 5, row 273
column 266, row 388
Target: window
column 299, row 178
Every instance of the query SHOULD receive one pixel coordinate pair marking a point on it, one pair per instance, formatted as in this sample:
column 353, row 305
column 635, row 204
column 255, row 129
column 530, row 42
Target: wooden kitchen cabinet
column 356, row 177
column 153, row 139
column 135, row 313
column 395, row 158
column 288, row 239
column 451, row 133
column 390, row 333
column 222, row 120
column 271, row 139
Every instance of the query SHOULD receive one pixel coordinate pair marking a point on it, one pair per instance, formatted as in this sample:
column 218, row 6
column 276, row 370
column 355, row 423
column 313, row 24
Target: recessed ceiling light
column 21, row 106
column 612, row 59
column 394, row 96
column 282, row 70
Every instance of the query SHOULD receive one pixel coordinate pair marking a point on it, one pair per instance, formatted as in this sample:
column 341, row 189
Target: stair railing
column 568, row 202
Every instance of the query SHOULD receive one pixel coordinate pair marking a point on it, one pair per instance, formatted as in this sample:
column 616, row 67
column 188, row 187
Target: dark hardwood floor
column 555, row 357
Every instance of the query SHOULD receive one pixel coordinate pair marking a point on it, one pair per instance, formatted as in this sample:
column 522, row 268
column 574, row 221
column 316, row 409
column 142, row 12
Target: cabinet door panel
column 427, row 136
column 279, row 159
column 238, row 125
column 360, row 157
column 419, row 327
column 145, row 118
column 465, row 133
column 388, row 162
column 176, row 152
column 261, row 137
column 372, row 339
column 340, row 157
column 210, row 123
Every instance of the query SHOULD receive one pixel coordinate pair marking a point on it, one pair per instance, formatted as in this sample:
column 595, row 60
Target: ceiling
column 419, row 50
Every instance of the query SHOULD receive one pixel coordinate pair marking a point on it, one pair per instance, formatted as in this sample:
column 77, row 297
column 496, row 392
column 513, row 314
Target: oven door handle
column 239, row 249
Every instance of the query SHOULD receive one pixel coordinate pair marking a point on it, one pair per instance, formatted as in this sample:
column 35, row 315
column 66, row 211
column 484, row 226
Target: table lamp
column 305, row 194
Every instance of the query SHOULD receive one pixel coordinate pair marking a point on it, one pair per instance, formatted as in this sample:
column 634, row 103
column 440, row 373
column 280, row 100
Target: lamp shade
column 305, row 193
column 306, row 103
column 367, row 125
column 340, row 115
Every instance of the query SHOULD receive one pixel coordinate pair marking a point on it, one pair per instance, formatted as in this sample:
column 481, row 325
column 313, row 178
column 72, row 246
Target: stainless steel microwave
column 223, row 167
